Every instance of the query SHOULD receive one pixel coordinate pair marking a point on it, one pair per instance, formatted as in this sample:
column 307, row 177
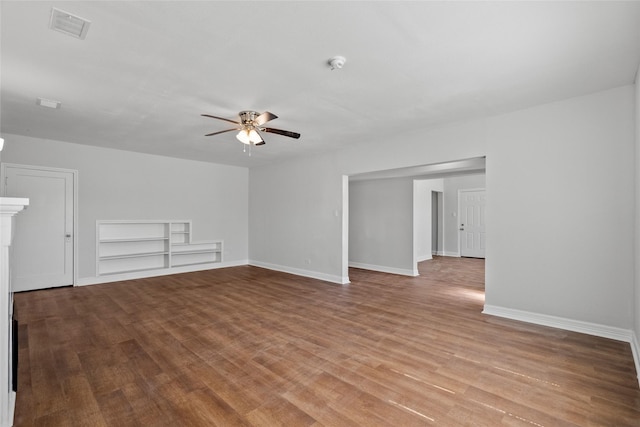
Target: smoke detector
column 69, row 24
column 337, row 62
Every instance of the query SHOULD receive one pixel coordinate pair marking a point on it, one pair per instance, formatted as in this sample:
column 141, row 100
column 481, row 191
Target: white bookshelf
column 134, row 246
column 195, row 253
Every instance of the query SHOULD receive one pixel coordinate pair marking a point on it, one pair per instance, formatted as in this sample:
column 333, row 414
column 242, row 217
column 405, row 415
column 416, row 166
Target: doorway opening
column 389, row 227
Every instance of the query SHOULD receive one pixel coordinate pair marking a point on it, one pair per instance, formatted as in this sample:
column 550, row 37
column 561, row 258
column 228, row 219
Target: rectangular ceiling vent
column 69, row 24
column 49, row 103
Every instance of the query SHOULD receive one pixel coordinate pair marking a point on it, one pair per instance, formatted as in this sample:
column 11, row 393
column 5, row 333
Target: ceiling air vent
column 49, row 103
column 69, row 24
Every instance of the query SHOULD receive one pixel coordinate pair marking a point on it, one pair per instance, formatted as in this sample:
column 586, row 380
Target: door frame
column 460, row 191
column 74, row 173
column 439, row 195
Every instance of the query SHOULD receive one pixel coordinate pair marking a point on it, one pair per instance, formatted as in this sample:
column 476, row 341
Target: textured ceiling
column 147, row 70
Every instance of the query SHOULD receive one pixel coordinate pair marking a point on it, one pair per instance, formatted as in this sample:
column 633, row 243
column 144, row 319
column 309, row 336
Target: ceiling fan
column 250, row 126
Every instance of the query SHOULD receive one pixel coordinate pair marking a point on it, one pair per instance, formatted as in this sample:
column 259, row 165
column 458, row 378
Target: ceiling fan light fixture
column 243, row 136
column 249, row 137
column 254, row 136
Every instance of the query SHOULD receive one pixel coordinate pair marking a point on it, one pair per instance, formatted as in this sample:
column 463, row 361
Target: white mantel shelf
column 9, row 206
column 12, row 205
column 16, row 203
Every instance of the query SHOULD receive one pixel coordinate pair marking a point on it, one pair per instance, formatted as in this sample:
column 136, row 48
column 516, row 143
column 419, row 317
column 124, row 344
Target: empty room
column 319, row 213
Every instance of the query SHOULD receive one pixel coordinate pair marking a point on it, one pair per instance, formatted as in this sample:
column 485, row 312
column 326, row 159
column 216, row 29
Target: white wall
column 451, row 228
column 297, row 226
column 115, row 184
column 381, row 225
column 561, row 172
column 560, row 186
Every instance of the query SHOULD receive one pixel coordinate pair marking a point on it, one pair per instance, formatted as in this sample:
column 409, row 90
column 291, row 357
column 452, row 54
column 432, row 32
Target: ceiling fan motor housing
column 248, row 117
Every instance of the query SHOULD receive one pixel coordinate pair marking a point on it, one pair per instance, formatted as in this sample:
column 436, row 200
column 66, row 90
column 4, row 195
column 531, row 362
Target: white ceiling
column 147, row 70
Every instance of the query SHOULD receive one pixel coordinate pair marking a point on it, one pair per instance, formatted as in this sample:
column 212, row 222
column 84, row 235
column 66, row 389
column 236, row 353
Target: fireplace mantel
column 9, row 206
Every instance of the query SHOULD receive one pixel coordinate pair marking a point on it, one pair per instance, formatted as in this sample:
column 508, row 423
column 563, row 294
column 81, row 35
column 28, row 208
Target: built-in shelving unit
column 134, row 246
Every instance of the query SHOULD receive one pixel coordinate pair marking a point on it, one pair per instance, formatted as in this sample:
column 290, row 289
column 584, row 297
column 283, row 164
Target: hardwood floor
column 248, row 346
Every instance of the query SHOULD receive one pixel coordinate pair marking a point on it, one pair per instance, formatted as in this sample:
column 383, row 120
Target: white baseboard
column 11, row 409
column 85, row 281
column 384, row 269
column 635, row 350
column 453, row 254
column 588, row 328
column 300, row 272
column 425, row 257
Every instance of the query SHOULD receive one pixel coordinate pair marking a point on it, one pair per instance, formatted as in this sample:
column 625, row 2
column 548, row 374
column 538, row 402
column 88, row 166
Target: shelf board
column 192, row 263
column 136, row 255
column 136, row 270
column 196, row 251
column 132, row 239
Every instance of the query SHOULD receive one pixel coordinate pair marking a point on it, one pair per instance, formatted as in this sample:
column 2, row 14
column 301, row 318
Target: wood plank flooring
column 245, row 346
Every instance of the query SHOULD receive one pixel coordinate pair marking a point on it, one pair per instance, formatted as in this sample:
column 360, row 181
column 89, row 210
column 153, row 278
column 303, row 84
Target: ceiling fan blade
column 260, row 143
column 282, row 132
column 220, row 118
column 264, row 118
column 222, row 131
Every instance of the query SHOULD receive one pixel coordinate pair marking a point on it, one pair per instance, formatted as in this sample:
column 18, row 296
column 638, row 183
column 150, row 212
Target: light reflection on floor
column 486, row 405
column 472, row 294
column 413, row 411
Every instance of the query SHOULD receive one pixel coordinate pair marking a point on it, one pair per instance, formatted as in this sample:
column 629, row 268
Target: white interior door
column 471, row 214
column 43, row 242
